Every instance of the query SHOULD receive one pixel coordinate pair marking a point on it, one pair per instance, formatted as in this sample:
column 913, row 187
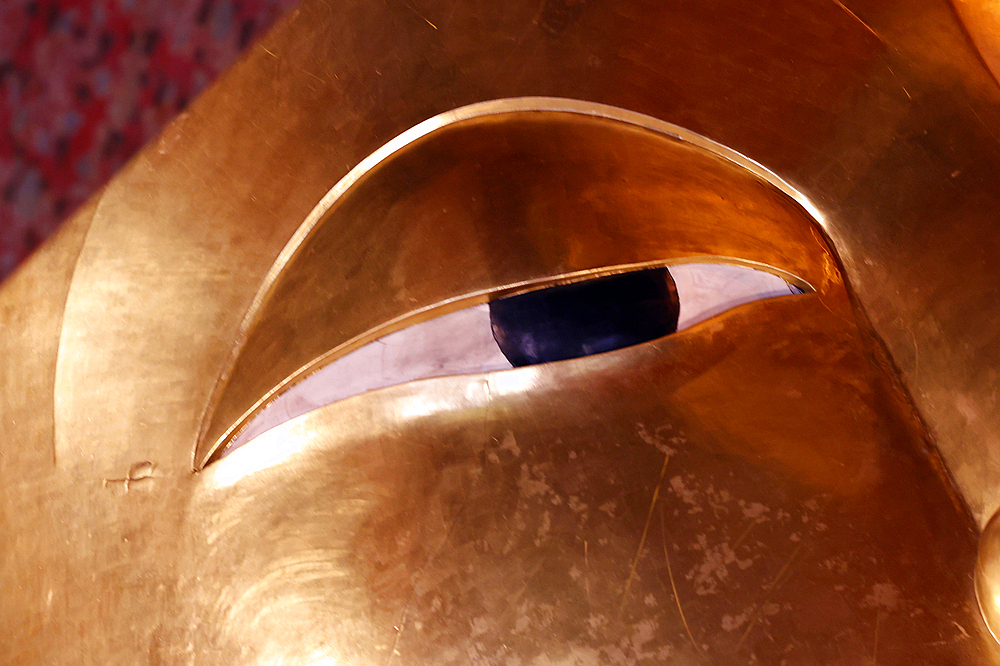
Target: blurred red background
column 85, row 83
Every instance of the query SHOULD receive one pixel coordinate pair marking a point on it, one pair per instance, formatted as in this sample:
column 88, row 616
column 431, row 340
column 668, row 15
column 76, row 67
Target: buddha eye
column 583, row 318
column 546, row 325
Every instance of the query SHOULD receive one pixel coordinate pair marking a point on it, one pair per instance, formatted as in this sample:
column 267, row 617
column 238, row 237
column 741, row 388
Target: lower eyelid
column 462, row 342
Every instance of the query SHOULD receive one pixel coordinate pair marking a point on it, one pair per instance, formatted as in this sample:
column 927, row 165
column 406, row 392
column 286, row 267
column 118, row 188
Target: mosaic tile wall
column 84, row 83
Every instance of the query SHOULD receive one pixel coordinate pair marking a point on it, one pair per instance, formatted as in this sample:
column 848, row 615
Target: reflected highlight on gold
column 795, row 480
column 988, row 574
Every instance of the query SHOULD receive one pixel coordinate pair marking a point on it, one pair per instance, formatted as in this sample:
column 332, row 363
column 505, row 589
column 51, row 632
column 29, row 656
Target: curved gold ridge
column 492, row 110
column 512, row 105
column 496, row 107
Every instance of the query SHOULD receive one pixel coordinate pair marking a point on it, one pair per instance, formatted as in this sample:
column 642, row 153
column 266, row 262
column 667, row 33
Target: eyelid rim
column 217, row 427
column 492, row 378
column 469, row 300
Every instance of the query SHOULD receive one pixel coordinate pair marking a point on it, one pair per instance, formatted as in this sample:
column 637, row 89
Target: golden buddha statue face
column 759, row 474
column 242, row 441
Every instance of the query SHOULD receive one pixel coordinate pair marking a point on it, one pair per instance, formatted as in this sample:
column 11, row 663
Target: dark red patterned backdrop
column 84, row 83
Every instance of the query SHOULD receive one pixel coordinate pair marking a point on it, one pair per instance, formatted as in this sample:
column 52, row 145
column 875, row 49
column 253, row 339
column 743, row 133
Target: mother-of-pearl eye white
column 462, row 343
column 457, row 343
column 705, row 290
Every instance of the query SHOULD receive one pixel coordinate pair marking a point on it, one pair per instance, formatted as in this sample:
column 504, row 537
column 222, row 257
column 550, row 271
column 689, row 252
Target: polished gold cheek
column 639, row 504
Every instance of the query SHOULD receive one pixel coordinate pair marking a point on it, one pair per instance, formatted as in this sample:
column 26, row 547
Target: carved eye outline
column 723, row 207
column 464, row 342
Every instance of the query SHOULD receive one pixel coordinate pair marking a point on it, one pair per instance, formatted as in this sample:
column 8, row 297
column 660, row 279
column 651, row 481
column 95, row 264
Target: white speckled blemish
column 754, row 510
column 656, row 439
column 532, row 481
column 609, row 508
column 770, row 609
column 543, row 529
column 643, row 633
column 510, row 444
column 595, row 623
column 837, row 563
column 522, row 624
column 734, row 622
column 884, row 596
column 575, row 505
column 577, row 655
column 480, row 626
column 687, row 495
column 713, row 568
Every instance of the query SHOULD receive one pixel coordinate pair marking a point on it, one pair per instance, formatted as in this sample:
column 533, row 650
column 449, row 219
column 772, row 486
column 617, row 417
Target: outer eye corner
column 707, row 290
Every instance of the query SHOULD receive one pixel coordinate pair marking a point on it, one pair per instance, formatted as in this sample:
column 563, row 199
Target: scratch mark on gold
column 645, row 531
column 420, row 15
column 878, row 620
column 830, row 310
column 858, row 19
column 988, row 129
column 673, row 584
column 306, row 71
column 900, row 85
column 746, row 532
column 962, row 629
column 415, row 578
column 770, row 588
column 270, row 53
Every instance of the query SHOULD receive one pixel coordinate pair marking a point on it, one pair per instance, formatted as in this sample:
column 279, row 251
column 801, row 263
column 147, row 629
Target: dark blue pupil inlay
column 574, row 320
